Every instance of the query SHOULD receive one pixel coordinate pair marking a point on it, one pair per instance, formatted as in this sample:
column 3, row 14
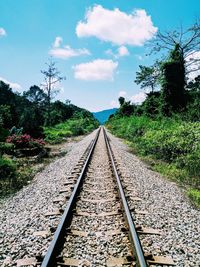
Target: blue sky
column 98, row 45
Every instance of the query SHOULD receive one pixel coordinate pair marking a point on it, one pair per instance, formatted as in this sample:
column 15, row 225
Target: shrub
column 173, row 141
column 25, row 141
column 7, row 169
column 72, row 127
column 194, row 194
column 6, row 148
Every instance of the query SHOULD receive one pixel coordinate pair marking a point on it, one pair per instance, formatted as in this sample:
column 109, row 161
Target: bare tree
column 51, row 80
column 188, row 42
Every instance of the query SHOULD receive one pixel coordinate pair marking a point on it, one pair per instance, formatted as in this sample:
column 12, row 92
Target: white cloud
column 195, row 57
column 122, row 93
column 57, row 42
column 116, row 26
column 14, row 86
column 98, row 69
column 2, row 32
column 123, row 51
column 138, row 98
column 114, row 104
column 66, row 52
column 120, row 52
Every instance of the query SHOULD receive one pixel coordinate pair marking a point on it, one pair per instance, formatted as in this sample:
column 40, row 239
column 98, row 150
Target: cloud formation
column 57, row 42
column 66, row 52
column 14, row 86
column 2, row 32
column 114, row 104
column 99, row 69
column 116, row 26
column 121, row 52
column 138, row 98
column 122, row 93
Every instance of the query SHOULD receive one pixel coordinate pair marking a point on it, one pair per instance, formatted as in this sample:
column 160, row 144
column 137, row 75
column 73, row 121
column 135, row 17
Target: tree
column 121, row 100
column 193, row 97
column 187, row 41
column 126, row 108
column 51, row 79
column 151, row 105
column 148, row 76
column 173, row 89
column 35, row 95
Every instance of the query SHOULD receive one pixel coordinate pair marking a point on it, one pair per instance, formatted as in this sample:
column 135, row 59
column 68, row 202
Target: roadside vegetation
column 29, row 123
column 165, row 129
column 79, row 124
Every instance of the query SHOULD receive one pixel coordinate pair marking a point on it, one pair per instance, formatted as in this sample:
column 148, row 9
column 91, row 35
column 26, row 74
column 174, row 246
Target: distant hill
column 102, row 116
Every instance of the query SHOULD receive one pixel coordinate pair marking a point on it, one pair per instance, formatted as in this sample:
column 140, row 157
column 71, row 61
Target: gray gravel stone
column 24, row 213
column 169, row 209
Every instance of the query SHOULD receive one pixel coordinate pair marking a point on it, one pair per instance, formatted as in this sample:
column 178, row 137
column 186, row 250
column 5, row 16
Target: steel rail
column 50, row 257
column 132, row 231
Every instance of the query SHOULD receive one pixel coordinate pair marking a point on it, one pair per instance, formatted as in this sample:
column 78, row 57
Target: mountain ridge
column 103, row 115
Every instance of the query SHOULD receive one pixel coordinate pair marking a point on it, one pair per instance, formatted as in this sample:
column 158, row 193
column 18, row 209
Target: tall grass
column 176, row 143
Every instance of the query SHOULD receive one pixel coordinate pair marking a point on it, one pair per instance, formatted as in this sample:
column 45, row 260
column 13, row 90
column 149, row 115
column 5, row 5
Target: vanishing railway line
column 97, row 227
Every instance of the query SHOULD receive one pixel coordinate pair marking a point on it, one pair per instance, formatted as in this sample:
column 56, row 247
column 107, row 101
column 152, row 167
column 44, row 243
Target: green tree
column 187, row 42
column 148, row 77
column 193, row 96
column 152, row 104
column 36, row 95
column 126, row 108
column 173, row 84
column 121, row 100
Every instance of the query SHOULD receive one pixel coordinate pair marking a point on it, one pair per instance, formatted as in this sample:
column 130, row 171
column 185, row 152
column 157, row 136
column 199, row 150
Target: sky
column 97, row 45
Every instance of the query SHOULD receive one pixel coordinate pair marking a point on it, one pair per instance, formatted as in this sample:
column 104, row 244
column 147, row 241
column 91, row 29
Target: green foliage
column 5, row 116
column 126, row 108
column 173, row 141
column 31, row 111
column 7, row 169
column 152, row 104
column 78, row 125
column 12, row 178
column 14, row 130
column 6, row 148
column 147, row 76
column 173, row 83
column 194, row 194
column 3, row 134
column 25, row 141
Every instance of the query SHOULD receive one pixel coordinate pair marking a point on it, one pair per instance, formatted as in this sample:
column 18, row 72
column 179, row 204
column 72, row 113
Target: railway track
column 97, row 226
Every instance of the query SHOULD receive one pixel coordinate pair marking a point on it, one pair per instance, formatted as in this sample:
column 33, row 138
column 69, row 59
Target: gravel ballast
column 168, row 208
column 24, row 213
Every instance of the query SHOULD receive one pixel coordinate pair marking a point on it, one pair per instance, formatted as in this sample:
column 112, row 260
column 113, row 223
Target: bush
column 7, row 169
column 194, row 194
column 24, row 141
column 174, row 141
column 3, row 134
column 6, row 148
column 72, row 127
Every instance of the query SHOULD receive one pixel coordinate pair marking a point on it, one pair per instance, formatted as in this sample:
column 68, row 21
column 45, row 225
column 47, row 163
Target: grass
column 14, row 174
column 171, row 146
column 73, row 127
column 194, row 195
